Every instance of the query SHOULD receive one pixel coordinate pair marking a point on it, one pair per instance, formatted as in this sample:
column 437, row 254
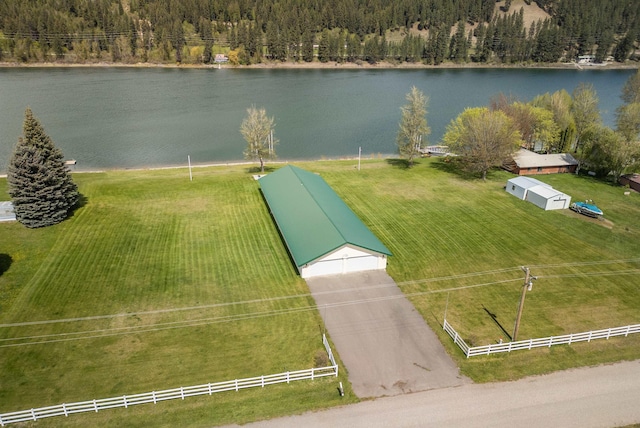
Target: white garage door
column 324, row 267
column 357, row 264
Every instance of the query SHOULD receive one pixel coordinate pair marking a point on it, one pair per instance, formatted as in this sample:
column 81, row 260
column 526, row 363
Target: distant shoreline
column 332, row 65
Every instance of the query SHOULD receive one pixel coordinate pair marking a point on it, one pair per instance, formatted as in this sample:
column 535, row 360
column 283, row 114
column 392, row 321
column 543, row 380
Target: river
column 140, row 117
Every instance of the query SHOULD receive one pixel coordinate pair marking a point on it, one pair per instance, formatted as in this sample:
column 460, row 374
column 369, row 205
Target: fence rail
column 537, row 343
column 67, row 409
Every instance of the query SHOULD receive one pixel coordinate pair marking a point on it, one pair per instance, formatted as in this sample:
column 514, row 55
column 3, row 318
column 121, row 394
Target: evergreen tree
column 40, row 184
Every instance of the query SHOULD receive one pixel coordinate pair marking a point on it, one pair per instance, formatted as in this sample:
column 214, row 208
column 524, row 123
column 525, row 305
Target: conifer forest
column 255, row 31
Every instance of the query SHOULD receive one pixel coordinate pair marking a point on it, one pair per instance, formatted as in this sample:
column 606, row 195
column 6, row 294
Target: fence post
column 153, row 394
column 182, row 392
column 210, row 391
column 64, row 409
column 590, row 333
column 287, row 377
column 124, row 399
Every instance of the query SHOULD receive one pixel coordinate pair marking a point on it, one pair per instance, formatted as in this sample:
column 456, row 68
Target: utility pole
column 528, row 284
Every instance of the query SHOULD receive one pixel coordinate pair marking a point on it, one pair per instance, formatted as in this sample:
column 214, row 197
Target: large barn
column 322, row 234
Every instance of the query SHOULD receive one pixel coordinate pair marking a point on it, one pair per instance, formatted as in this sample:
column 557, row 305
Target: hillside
column 252, row 31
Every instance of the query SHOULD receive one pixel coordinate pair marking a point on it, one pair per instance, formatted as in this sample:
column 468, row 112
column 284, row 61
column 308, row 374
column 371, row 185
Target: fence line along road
column 67, row 409
column 537, row 343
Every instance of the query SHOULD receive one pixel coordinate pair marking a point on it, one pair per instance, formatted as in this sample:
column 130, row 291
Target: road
column 603, row 396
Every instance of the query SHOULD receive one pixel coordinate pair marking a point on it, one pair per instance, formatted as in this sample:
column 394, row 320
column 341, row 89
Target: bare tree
column 413, row 125
column 257, row 130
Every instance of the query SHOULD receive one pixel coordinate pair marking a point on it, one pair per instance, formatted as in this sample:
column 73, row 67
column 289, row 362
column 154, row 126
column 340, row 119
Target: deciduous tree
column 40, row 184
column 609, row 152
column 413, row 125
column 257, row 130
column 584, row 109
column 482, row 138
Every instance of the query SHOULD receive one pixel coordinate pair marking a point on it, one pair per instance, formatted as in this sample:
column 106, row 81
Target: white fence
column 538, row 343
column 172, row 394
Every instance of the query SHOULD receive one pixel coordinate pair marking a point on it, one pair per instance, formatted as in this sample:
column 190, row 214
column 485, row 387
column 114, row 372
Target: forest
column 254, row 31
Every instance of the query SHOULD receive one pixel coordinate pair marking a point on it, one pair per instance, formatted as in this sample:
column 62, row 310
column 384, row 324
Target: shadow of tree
column 5, row 263
column 256, row 169
column 454, row 167
column 401, row 163
column 81, row 202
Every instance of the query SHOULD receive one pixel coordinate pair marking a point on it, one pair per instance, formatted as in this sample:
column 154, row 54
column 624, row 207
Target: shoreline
column 332, row 65
column 378, row 156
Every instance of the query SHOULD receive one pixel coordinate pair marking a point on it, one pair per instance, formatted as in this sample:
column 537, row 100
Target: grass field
column 165, row 282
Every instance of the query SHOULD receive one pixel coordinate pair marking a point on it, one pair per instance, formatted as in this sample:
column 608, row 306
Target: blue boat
column 587, row 208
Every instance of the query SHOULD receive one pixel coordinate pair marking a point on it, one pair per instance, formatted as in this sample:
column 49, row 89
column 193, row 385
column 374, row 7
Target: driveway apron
column 384, row 343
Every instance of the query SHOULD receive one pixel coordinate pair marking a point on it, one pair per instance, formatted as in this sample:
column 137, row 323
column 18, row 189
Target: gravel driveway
column 386, row 346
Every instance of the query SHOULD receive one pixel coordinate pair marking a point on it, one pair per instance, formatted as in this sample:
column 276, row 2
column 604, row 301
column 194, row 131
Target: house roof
column 311, row 217
column 528, row 159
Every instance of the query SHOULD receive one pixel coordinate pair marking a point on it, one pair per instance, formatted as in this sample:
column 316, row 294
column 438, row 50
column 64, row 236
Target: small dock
column 435, row 150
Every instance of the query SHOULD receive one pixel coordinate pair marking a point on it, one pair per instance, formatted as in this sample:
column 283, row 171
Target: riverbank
column 331, row 65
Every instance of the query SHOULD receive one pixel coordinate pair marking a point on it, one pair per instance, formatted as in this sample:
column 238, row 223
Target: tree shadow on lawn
column 256, row 169
column 401, row 163
column 81, row 202
column 5, row 263
column 455, row 167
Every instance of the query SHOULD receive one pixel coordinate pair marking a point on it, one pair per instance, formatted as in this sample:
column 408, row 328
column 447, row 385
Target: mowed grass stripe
column 154, row 240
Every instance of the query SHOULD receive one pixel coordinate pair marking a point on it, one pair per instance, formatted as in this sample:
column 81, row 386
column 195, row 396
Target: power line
column 118, row 331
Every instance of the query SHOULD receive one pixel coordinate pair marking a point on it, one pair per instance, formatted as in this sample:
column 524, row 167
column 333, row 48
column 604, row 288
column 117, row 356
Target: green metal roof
column 312, row 218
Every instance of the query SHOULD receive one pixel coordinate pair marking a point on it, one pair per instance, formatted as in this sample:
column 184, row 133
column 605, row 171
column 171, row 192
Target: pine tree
column 40, row 184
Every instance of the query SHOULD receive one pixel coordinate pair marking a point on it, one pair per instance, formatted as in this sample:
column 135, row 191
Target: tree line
column 252, row 31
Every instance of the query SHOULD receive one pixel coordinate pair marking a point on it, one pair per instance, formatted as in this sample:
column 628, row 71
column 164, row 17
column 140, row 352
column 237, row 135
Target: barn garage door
column 339, row 266
column 357, row 264
column 324, row 267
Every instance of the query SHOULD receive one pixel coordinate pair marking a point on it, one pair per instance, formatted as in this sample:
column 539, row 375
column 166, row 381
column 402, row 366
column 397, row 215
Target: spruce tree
column 40, row 184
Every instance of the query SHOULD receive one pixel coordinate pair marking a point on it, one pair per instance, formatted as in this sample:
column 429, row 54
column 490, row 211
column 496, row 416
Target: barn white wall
column 345, row 259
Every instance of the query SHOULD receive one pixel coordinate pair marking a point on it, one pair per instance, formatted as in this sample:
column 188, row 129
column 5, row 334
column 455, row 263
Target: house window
column 539, row 169
column 513, row 187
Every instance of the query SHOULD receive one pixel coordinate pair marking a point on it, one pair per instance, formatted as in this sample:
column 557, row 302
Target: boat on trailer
column 587, row 208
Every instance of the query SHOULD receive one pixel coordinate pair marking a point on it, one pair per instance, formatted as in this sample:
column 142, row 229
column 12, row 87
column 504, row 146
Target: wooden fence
column 67, row 409
column 567, row 339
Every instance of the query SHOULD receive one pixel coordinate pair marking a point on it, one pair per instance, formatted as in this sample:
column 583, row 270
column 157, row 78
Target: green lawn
column 207, row 291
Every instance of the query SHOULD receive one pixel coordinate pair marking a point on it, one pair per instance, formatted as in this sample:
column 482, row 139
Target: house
column 526, row 162
column 631, row 180
column 538, row 193
column 322, row 234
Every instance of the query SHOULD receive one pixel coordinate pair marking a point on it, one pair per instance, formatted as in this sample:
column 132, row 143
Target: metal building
column 322, row 234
